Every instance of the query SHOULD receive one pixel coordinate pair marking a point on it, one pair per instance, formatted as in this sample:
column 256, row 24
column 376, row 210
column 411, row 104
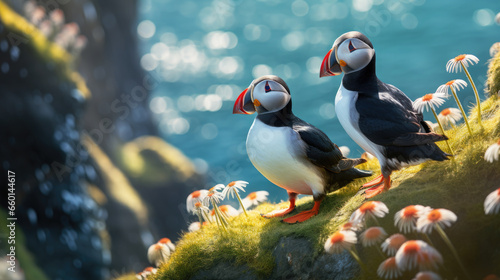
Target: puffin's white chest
column 345, row 108
column 277, row 152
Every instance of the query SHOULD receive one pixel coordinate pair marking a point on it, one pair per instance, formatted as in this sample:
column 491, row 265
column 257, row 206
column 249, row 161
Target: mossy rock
column 151, row 161
column 493, row 82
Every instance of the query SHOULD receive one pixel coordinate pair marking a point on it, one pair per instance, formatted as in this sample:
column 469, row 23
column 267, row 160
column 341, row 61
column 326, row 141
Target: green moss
column 152, row 161
column 24, row 32
column 26, row 260
column 493, row 81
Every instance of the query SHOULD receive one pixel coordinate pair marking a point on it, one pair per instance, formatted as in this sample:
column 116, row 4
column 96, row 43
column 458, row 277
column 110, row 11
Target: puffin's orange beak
column 330, row 66
column 244, row 104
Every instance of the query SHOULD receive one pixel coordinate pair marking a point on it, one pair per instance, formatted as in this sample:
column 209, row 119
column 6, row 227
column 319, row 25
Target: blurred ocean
column 206, row 52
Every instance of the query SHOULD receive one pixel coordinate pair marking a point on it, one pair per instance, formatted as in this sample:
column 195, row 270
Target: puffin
column 379, row 117
column 290, row 152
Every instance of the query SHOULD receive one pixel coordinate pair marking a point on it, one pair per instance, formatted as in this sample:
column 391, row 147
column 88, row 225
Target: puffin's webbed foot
column 282, row 212
column 279, row 212
column 375, row 182
column 303, row 216
column 378, row 189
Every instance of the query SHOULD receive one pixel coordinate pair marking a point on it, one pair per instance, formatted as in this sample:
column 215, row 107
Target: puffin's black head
column 351, row 52
column 266, row 94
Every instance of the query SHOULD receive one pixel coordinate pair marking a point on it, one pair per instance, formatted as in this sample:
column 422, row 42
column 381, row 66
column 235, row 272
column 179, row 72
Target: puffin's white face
column 265, row 96
column 269, row 96
column 353, row 55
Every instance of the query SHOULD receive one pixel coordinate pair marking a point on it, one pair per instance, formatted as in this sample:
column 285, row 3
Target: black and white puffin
column 377, row 116
column 288, row 151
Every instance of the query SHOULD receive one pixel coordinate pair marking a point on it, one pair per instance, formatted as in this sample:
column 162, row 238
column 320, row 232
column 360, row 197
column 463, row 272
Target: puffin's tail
column 339, row 180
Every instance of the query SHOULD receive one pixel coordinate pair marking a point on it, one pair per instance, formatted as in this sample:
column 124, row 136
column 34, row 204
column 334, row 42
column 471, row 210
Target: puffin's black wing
column 321, row 151
column 389, row 119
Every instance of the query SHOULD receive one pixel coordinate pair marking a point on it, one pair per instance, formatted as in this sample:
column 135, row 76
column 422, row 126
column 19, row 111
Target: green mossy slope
column 460, row 185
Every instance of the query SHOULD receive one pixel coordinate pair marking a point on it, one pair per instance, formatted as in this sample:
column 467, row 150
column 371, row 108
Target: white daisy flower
column 492, row 202
column 233, row 188
column 369, row 209
column 417, row 253
column 339, row 241
column 391, row 245
column 254, row 198
column 454, row 64
column 158, row 253
column 430, row 219
column 196, row 196
column 194, row 226
column 427, row 275
column 429, row 101
column 167, row 242
column 493, row 152
column 388, row 269
column 372, row 236
column 406, row 218
column 455, row 85
column 450, row 116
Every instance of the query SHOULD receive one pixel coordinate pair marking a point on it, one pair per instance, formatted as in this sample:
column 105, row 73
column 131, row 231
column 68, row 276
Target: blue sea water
column 206, row 52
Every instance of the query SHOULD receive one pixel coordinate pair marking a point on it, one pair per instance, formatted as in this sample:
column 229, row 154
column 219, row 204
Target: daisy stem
column 380, row 252
column 241, row 203
column 375, row 220
column 223, row 220
column 478, row 101
column 441, row 126
column 358, row 260
column 201, row 220
column 452, row 248
column 428, row 239
column 461, row 109
column 218, row 218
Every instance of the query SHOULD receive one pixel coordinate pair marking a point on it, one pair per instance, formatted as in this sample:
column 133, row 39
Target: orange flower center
column 427, row 97
column 390, row 263
column 210, row 194
column 197, row 204
column 252, row 195
column 498, row 191
column 337, row 238
column 372, row 233
column 410, row 211
column 213, row 212
column 397, row 241
column 498, row 142
column 434, row 216
column 450, row 83
column 211, row 189
column 411, row 247
column 196, row 194
column 446, row 112
column 158, row 247
column 460, row 57
column 223, row 208
column 491, row 277
column 231, row 184
column 347, row 226
column 367, row 207
column 164, row 240
column 149, row 268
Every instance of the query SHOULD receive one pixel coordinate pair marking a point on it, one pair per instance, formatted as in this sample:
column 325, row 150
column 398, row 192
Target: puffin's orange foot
column 278, row 213
column 302, row 216
column 371, row 192
column 377, row 181
column 385, row 186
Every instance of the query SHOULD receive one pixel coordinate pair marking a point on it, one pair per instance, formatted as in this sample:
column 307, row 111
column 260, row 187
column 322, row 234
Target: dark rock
column 294, row 259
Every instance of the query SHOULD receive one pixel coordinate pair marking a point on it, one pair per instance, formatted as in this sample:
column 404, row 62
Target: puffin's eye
column 351, row 47
column 267, row 88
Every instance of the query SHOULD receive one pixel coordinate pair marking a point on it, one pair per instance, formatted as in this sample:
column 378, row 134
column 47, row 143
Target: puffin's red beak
column 244, row 104
column 330, row 66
